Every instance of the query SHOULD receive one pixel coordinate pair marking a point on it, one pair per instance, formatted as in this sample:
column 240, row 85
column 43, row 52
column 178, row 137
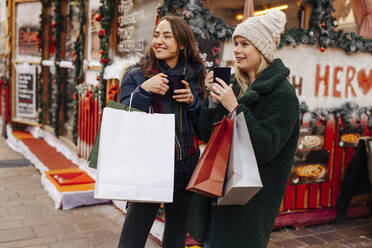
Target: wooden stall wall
column 90, row 114
column 325, row 194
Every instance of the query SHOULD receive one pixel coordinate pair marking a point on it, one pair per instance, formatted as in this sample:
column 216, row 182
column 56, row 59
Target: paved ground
column 28, row 218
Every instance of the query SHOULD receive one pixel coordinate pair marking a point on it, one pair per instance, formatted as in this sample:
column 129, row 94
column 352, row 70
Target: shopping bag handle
column 151, row 110
column 130, row 101
column 233, row 113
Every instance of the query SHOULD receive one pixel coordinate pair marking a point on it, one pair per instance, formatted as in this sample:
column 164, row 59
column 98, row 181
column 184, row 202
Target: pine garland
column 57, row 24
column 346, row 111
column 322, row 32
column 79, row 46
column 40, row 38
column 202, row 22
column 105, row 16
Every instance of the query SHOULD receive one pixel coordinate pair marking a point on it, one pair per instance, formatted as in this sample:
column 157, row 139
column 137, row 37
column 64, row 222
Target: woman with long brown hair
column 172, row 51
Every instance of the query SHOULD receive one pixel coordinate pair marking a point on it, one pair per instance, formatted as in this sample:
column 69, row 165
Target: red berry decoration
column 98, row 78
column 101, row 32
column 323, row 25
column 98, row 17
column 101, row 51
column 79, row 78
column 54, row 24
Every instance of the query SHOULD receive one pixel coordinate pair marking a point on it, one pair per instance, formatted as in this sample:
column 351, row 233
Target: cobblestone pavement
column 28, row 218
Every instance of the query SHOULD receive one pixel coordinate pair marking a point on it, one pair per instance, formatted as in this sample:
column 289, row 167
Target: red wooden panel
column 337, row 166
column 364, row 122
column 329, row 144
column 95, row 115
column 85, row 133
column 7, row 104
column 289, row 197
column 1, row 97
column 89, row 131
column 314, row 195
column 79, row 125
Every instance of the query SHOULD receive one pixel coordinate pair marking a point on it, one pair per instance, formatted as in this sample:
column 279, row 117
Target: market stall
column 68, row 59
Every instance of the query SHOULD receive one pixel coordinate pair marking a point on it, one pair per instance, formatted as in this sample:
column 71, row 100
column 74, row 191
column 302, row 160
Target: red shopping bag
column 209, row 174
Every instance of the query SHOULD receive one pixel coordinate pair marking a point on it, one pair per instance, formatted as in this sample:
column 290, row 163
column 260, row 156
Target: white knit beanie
column 263, row 31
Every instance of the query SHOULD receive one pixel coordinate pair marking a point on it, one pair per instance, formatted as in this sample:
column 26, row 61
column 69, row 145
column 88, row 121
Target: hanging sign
column 329, row 78
column 25, row 91
column 135, row 28
column 94, row 28
column 27, row 28
column 211, row 51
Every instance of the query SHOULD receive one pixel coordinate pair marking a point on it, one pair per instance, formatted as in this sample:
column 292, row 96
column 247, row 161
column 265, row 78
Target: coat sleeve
column 132, row 84
column 271, row 133
column 207, row 116
column 193, row 109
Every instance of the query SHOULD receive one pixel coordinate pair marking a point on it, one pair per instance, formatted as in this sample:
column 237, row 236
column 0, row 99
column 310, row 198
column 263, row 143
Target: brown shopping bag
column 209, row 174
column 243, row 179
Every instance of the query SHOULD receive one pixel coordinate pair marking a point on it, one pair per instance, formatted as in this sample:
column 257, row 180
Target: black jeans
column 140, row 217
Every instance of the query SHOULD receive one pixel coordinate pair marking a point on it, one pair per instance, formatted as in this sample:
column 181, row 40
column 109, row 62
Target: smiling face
column 247, row 56
column 164, row 44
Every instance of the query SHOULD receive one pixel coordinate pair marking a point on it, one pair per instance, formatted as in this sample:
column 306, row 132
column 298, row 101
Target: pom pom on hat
column 263, row 31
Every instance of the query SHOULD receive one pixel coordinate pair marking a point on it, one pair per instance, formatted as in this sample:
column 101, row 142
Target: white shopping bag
column 136, row 156
column 243, row 179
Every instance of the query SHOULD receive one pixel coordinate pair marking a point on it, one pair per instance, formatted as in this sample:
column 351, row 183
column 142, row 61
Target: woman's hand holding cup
column 184, row 95
column 157, row 84
column 208, row 81
column 223, row 93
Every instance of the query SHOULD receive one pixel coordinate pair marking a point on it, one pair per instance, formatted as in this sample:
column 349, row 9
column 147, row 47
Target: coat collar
column 266, row 82
column 182, row 67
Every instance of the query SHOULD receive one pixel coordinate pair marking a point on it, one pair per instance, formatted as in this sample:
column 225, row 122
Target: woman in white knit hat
column 261, row 91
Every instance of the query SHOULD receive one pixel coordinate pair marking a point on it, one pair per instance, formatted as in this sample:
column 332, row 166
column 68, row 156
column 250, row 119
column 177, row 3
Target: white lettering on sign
column 132, row 18
column 125, row 6
column 25, row 91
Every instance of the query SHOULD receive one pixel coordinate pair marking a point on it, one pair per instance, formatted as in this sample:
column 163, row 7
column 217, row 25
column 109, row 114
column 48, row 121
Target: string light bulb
column 239, row 17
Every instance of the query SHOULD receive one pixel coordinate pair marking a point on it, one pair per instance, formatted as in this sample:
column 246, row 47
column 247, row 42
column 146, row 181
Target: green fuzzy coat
column 271, row 110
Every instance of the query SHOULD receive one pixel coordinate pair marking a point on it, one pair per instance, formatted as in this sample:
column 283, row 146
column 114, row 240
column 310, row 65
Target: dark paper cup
column 223, row 73
column 175, row 81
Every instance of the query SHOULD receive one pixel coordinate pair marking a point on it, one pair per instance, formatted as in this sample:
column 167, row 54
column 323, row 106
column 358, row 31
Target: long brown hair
column 184, row 37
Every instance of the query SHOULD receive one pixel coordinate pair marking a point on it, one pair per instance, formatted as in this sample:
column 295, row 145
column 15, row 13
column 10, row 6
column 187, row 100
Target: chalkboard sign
column 211, row 52
column 26, row 91
column 135, row 28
